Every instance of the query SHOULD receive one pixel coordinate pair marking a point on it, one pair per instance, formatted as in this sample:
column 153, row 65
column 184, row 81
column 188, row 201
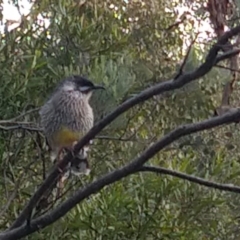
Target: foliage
column 126, row 46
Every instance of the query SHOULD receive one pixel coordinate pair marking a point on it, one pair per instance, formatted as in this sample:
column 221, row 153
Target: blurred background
column 127, row 46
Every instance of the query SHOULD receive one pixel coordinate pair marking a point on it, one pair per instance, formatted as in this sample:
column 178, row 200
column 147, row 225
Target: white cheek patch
column 84, row 89
column 68, row 88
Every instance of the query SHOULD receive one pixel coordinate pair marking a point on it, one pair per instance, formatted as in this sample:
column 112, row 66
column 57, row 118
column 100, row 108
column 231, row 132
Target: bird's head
column 80, row 85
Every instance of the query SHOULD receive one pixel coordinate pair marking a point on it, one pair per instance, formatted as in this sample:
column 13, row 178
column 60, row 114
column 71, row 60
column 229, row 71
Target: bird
column 66, row 116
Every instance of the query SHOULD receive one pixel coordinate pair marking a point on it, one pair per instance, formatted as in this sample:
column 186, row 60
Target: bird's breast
column 65, row 137
column 72, row 119
column 81, row 120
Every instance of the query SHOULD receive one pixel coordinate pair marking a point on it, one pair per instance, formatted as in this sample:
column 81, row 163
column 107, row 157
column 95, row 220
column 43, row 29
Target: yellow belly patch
column 66, row 137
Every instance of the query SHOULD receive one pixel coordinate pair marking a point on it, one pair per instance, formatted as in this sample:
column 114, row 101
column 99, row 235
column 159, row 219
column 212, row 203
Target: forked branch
column 19, row 230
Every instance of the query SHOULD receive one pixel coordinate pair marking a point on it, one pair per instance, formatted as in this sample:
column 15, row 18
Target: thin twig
column 177, row 23
column 170, row 27
column 16, row 123
column 180, row 72
column 227, row 68
column 16, row 188
column 19, row 116
column 11, row 198
column 20, row 127
column 190, row 178
column 115, row 138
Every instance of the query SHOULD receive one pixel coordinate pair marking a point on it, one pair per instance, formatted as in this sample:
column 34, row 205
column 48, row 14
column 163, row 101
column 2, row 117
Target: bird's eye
column 85, row 89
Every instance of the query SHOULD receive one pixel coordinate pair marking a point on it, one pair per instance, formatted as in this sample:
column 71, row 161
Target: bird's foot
column 80, row 166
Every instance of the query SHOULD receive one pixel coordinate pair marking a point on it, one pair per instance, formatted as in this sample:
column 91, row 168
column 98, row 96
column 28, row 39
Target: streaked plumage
column 67, row 114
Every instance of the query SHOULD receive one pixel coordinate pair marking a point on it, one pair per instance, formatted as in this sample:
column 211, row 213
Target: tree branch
column 159, row 88
column 20, row 127
column 190, row 178
column 133, row 167
column 180, row 72
column 19, row 116
column 227, row 55
column 227, row 68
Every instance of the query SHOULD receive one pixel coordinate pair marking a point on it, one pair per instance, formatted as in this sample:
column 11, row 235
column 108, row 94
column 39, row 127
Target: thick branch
column 190, row 178
column 117, row 175
column 211, row 59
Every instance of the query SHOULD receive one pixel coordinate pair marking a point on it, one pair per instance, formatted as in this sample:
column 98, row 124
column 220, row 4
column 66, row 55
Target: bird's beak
column 98, row 87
